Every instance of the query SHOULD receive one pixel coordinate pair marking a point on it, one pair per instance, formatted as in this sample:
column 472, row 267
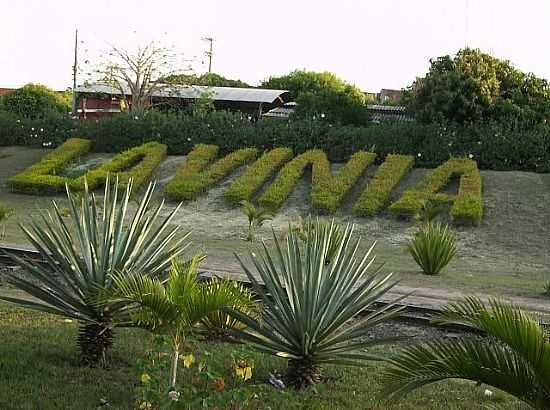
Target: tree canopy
column 322, row 94
column 473, row 86
column 206, row 79
column 36, row 101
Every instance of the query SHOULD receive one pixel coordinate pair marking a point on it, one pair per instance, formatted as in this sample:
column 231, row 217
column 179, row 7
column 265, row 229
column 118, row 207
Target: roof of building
column 4, row 91
column 256, row 95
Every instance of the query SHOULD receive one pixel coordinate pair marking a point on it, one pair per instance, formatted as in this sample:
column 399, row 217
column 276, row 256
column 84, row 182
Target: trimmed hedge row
column 496, row 146
column 42, row 178
column 137, row 163
column 389, row 174
column 468, row 205
column 244, row 187
column 192, row 178
column 327, row 190
column 412, row 201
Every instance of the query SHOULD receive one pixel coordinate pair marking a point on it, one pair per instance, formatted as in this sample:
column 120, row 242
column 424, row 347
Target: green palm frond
column 309, row 303
column 219, row 323
column 515, row 358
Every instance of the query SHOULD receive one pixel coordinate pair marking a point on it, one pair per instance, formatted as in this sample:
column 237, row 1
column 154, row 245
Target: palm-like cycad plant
column 515, row 358
column 308, row 304
column 82, row 251
column 256, row 218
column 175, row 306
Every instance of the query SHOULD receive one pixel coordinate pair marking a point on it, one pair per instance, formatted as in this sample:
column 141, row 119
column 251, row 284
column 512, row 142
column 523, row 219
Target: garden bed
column 506, row 255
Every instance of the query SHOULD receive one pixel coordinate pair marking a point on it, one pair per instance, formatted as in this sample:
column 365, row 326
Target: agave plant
column 335, row 239
column 433, row 247
column 515, row 358
column 82, row 251
column 308, row 305
column 173, row 307
column 256, row 218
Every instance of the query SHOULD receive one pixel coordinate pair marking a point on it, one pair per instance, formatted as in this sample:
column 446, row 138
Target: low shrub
column 433, row 247
column 193, row 178
column 413, row 200
column 42, row 178
column 137, row 164
column 244, row 187
column 386, row 178
column 327, row 190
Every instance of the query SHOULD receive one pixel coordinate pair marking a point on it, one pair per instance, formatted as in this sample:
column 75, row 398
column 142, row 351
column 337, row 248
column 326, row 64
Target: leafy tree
column 514, row 358
column 322, row 94
column 35, row 101
column 472, row 86
column 206, row 79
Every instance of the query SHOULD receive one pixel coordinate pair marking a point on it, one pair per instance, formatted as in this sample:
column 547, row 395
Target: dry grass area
column 508, row 255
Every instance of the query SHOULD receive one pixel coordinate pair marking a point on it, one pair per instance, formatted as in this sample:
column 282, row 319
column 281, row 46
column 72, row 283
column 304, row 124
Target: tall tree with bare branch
column 140, row 73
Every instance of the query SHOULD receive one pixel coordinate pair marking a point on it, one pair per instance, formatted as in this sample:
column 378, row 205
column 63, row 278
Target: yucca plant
column 256, row 216
column 309, row 305
column 80, row 253
column 174, row 307
column 515, row 357
column 335, row 240
column 432, row 247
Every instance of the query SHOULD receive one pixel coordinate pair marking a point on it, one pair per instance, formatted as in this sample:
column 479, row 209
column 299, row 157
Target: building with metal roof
column 97, row 100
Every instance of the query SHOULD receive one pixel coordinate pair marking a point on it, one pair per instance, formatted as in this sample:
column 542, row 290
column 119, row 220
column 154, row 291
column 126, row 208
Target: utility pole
column 209, row 53
column 74, row 108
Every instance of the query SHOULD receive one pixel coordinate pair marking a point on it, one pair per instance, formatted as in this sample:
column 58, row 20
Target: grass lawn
column 39, row 370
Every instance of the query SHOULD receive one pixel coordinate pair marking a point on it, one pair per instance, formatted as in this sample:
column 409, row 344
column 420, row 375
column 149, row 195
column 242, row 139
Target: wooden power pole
column 74, row 108
column 210, row 52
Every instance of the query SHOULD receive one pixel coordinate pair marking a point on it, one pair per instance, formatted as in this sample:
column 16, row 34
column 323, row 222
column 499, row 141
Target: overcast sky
column 374, row 44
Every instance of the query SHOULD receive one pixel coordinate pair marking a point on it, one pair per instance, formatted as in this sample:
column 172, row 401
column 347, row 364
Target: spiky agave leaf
column 516, row 359
column 80, row 253
column 308, row 304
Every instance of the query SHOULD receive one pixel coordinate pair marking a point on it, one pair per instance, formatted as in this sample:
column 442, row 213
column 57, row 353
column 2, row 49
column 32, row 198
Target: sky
column 373, row 44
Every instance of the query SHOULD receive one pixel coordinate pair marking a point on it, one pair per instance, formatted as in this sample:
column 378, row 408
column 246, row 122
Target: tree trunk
column 94, row 340
column 174, row 367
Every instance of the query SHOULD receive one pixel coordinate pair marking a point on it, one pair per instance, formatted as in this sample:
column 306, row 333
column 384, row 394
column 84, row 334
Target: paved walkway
column 419, row 297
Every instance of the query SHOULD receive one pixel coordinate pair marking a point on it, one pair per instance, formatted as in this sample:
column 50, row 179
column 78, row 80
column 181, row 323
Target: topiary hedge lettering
column 469, row 208
column 137, row 163
column 328, row 190
column 43, row 177
column 244, row 187
column 195, row 176
column 387, row 176
column 201, row 170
